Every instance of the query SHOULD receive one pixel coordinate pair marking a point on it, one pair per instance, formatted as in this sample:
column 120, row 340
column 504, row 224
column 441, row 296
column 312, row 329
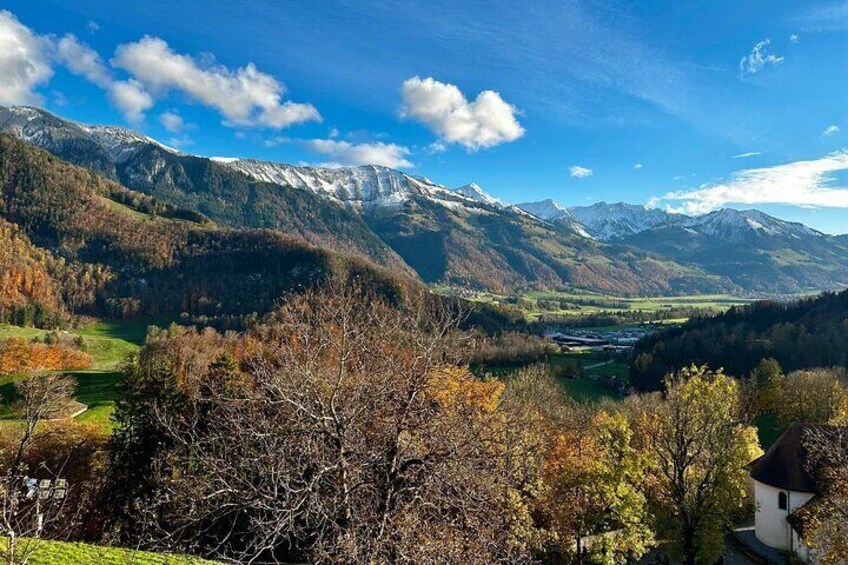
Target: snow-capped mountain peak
column 40, row 127
column 122, row 143
column 734, row 225
column 546, row 210
column 619, row 220
column 475, row 192
column 368, row 186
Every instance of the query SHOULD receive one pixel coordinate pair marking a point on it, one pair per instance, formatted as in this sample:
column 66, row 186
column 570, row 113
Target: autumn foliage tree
column 814, row 396
column 824, row 520
column 592, row 476
column 18, row 355
column 342, row 432
column 699, row 451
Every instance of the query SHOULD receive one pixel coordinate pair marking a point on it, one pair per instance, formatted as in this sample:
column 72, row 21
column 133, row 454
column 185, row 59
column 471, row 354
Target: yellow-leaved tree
column 700, row 449
column 592, row 497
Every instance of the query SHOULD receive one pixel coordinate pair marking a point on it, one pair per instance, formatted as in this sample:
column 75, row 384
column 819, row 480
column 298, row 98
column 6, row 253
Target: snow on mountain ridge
column 122, row 143
column 616, row 221
column 370, row 186
column 546, row 210
column 475, row 192
column 40, row 127
column 735, row 224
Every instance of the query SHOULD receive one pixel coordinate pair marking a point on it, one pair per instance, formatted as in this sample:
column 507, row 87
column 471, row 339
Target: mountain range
column 460, row 236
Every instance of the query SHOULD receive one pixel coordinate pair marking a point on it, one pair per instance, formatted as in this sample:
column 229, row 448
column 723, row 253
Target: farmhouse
column 785, row 494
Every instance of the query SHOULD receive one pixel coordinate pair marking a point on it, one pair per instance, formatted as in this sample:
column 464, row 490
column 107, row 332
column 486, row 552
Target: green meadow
column 109, row 343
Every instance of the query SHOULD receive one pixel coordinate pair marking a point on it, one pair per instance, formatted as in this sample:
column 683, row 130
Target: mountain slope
column 84, row 251
column 465, row 237
column 457, row 237
column 397, row 220
column 617, row 221
column 556, row 214
column 215, row 190
column 757, row 252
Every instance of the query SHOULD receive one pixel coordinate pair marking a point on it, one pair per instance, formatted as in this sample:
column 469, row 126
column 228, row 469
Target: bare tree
column 32, row 501
column 347, row 433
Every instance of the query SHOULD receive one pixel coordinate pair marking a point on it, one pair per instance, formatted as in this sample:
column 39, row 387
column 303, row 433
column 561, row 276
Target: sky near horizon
column 680, row 105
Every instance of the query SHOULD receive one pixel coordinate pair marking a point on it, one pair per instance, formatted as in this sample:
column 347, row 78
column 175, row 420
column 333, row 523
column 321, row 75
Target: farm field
column 536, row 303
column 583, row 365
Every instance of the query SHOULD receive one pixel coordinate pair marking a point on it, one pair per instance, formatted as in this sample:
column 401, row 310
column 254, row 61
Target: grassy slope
column 61, row 553
column 108, row 343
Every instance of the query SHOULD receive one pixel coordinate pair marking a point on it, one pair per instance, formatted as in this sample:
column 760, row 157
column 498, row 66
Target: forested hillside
column 76, row 243
column 455, row 240
column 809, row 333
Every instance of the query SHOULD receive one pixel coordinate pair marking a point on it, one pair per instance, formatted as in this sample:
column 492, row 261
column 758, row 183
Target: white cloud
column 84, row 61
column 794, row 38
column 279, row 140
column 92, row 26
column 747, row 155
column 181, row 141
column 131, row 98
column 245, row 96
column 24, row 61
column 579, row 172
column 800, row 183
column 172, row 121
column 758, row 59
column 638, row 166
column 344, row 153
column 485, row 122
column 831, row 129
column 436, row 147
column 333, row 133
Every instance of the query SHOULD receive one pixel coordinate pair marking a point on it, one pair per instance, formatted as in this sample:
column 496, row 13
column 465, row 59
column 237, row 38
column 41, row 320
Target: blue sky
column 690, row 106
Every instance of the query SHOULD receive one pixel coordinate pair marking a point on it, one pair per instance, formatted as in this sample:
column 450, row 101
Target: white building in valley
column 782, row 487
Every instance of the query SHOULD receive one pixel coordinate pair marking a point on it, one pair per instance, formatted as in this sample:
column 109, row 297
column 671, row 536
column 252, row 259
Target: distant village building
column 784, row 492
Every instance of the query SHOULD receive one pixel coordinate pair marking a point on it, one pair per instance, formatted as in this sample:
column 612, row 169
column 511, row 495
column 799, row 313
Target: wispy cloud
column 278, row 140
column 84, row 61
column 174, row 122
column 830, row 16
column 801, row 183
column 747, row 155
column 181, row 141
column 638, row 166
column 579, row 172
column 129, row 96
column 758, row 59
column 831, row 129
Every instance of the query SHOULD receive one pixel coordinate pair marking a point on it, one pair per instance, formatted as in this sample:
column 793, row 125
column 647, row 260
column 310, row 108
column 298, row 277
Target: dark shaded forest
column 808, row 333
